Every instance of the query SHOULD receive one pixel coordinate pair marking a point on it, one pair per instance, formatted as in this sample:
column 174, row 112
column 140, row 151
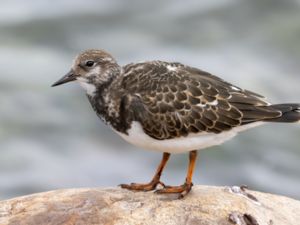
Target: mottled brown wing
column 172, row 100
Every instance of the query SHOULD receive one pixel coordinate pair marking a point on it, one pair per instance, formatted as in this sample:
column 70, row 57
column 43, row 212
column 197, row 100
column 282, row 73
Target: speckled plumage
column 173, row 103
column 170, row 107
column 169, row 100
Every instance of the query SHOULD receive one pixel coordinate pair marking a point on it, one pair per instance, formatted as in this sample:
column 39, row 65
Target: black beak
column 70, row 76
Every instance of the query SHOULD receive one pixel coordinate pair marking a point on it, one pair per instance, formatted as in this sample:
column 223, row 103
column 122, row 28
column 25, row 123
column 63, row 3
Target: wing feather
column 173, row 103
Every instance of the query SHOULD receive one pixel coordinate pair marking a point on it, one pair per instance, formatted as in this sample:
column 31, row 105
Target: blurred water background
column 50, row 138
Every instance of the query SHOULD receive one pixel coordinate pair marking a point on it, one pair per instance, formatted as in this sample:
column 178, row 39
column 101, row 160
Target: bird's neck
column 106, row 101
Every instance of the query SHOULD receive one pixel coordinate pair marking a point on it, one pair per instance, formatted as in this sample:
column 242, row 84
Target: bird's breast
column 136, row 136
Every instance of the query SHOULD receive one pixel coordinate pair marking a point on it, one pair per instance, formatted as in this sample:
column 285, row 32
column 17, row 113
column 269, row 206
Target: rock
column 203, row 206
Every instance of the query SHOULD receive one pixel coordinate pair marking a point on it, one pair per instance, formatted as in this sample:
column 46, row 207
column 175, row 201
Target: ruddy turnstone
column 170, row 107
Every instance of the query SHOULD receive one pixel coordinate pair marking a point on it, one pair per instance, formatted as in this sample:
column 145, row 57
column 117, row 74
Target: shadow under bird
column 170, row 107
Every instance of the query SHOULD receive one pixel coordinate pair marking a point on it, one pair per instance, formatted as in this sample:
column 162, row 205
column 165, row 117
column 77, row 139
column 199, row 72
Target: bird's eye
column 89, row 63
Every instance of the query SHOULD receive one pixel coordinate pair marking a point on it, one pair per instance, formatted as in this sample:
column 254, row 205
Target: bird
column 171, row 108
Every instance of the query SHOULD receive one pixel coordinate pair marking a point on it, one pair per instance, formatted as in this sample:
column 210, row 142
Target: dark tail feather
column 290, row 113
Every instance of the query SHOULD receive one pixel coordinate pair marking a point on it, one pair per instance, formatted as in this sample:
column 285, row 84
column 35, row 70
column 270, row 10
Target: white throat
column 89, row 88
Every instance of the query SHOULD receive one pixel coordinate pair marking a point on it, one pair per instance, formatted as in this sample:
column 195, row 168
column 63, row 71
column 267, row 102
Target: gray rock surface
column 203, row 206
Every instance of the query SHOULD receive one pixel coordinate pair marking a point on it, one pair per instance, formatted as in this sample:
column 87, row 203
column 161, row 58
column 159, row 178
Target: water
column 50, row 138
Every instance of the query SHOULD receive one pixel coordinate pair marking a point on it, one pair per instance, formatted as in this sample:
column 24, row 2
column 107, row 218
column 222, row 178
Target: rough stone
column 203, row 206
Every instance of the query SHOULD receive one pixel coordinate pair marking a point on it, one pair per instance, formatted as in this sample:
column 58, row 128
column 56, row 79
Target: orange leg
column 155, row 180
column 184, row 189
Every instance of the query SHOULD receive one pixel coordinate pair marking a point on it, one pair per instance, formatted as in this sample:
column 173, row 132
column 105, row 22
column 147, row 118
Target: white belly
column 136, row 136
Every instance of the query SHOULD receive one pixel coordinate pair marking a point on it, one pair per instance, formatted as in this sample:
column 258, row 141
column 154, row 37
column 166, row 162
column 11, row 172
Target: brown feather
column 173, row 103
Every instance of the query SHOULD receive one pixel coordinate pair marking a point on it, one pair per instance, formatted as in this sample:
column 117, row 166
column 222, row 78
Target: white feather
column 235, row 88
column 136, row 136
column 215, row 102
column 171, row 68
column 89, row 88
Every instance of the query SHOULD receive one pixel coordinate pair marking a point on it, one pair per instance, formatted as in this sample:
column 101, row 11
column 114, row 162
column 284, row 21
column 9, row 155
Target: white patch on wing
column 89, row 88
column 171, row 68
column 136, row 136
column 215, row 102
column 201, row 105
column 235, row 88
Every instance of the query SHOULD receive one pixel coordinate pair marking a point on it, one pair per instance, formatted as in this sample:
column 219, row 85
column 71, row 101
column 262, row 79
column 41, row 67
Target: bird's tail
column 290, row 113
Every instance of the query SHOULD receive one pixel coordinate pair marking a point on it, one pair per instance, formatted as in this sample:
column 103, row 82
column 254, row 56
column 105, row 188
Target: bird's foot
column 143, row 187
column 181, row 190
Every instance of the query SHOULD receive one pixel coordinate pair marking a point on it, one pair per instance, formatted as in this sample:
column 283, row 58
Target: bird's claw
column 143, row 187
column 181, row 190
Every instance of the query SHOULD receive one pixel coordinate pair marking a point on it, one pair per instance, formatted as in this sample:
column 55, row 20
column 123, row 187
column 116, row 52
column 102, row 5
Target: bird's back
column 173, row 100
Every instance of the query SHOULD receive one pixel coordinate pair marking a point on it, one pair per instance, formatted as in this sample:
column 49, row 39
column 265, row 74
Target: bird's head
column 91, row 68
